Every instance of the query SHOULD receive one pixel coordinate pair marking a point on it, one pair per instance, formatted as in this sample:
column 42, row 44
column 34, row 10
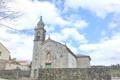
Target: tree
column 6, row 13
column 4, row 10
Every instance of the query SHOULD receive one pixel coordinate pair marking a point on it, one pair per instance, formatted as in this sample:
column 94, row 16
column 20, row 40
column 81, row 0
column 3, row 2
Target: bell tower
column 40, row 31
column 38, row 40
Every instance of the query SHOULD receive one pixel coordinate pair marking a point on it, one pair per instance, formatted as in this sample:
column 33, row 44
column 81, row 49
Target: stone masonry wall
column 73, row 74
column 14, row 74
column 2, row 64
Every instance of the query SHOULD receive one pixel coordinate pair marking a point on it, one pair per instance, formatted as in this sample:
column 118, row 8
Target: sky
column 89, row 27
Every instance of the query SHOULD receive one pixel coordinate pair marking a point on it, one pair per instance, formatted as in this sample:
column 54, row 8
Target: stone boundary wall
column 59, row 74
column 14, row 73
column 8, row 73
column 73, row 74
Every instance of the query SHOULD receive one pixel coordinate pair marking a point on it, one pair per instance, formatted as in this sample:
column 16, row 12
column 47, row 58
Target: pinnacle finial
column 41, row 19
column 40, row 23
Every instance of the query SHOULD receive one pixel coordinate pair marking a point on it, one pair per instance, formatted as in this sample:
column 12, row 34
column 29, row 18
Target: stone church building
column 52, row 54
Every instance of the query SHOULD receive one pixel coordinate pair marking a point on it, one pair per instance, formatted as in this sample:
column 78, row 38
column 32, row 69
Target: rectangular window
column 48, row 65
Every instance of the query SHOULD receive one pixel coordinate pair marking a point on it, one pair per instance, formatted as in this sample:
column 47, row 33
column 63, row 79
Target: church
column 52, row 54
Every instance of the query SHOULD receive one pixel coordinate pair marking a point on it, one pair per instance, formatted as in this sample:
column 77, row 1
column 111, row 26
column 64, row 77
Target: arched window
column 38, row 33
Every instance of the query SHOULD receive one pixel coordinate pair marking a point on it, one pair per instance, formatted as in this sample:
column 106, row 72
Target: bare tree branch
column 10, row 16
column 5, row 13
column 8, row 27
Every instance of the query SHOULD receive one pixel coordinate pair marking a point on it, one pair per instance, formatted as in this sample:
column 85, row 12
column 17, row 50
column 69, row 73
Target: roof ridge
column 4, row 47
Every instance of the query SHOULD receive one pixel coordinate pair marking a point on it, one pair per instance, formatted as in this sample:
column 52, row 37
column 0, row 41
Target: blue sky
column 89, row 27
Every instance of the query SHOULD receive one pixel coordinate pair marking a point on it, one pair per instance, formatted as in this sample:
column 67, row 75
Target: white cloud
column 113, row 25
column 80, row 24
column 100, row 7
column 77, row 22
column 74, row 34
column 106, row 52
column 32, row 11
column 57, row 37
column 20, row 45
column 69, row 33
